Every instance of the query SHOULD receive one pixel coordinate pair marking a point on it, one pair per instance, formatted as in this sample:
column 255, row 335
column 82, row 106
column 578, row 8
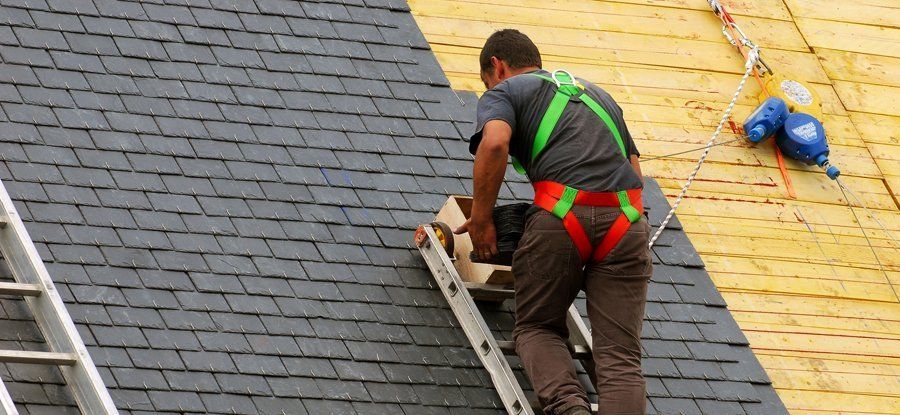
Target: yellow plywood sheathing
column 819, row 306
column 871, row 12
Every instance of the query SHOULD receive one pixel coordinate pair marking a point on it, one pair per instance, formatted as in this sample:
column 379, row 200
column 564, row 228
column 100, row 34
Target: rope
column 752, row 57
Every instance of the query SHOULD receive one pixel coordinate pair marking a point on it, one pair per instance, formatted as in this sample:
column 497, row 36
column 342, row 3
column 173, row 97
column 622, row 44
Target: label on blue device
column 796, row 92
column 806, row 131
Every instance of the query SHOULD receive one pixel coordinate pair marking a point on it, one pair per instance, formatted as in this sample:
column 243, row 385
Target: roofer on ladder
column 586, row 230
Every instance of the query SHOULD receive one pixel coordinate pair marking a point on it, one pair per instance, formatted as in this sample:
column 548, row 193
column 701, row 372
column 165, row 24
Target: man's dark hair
column 511, row 46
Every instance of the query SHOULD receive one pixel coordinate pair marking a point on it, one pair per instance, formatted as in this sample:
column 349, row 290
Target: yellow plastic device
column 798, row 96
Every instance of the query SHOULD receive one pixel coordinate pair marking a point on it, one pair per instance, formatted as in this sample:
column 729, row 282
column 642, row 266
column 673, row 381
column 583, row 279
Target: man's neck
column 519, row 71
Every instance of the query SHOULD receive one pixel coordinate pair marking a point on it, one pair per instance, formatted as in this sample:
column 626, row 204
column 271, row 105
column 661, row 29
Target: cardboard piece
column 455, row 212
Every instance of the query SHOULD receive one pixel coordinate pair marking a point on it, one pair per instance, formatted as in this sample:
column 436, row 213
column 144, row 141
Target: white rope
column 752, row 57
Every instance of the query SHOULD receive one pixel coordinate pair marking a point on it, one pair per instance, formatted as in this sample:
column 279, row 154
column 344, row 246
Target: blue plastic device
column 802, row 137
column 766, row 119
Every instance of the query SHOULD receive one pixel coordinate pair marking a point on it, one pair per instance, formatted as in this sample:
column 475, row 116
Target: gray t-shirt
column 581, row 152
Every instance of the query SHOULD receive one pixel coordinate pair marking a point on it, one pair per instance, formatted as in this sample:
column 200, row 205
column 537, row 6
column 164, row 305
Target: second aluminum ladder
column 67, row 350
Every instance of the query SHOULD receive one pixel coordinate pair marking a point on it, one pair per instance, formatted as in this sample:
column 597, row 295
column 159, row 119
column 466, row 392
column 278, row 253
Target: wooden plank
column 878, row 329
column 823, row 402
column 829, row 237
column 869, row 12
column 772, row 9
column 750, row 207
column 829, row 288
column 448, row 35
column 707, row 87
column 769, row 248
column 850, row 37
column 854, row 161
column 811, row 185
column 829, row 307
column 704, row 115
column 822, row 343
column 753, row 269
column 860, row 67
column 624, row 82
column 893, row 184
column 876, row 99
column 876, row 127
column 839, row 362
column 885, row 152
column 689, row 121
column 617, row 17
column 863, row 384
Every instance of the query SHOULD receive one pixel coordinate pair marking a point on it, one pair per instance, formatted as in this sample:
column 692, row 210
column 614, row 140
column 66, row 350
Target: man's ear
column 499, row 70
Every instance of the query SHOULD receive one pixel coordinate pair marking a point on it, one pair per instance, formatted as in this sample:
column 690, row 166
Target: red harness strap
column 548, row 195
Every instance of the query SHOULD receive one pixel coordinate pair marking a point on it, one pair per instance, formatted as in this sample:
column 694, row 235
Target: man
column 585, row 232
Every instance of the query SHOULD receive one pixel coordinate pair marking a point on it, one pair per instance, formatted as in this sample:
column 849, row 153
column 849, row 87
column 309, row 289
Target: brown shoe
column 578, row 410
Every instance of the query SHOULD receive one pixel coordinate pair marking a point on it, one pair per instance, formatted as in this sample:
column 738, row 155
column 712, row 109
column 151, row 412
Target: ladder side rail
column 473, row 324
column 7, row 406
column 50, row 312
column 580, row 335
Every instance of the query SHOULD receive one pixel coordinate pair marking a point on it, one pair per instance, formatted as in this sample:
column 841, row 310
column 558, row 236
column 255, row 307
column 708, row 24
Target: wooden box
column 455, row 212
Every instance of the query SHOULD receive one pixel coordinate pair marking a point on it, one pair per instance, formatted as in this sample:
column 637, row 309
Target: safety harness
column 558, row 198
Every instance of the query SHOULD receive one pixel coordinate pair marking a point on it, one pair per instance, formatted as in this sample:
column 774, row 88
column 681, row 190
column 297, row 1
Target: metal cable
column 644, row 160
column 753, row 56
column 812, row 233
column 868, row 242
column 869, row 212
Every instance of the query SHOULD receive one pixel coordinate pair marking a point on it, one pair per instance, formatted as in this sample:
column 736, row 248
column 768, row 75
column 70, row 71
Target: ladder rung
column 46, row 358
column 537, row 406
column 492, row 292
column 15, row 288
column 509, row 348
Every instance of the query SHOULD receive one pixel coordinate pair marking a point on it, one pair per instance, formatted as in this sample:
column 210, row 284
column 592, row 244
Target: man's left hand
column 484, row 238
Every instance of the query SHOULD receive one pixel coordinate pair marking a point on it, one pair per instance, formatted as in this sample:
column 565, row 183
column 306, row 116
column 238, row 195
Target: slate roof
column 225, row 190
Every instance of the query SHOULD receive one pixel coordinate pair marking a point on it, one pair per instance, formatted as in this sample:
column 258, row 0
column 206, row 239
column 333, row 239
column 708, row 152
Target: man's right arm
column 490, row 166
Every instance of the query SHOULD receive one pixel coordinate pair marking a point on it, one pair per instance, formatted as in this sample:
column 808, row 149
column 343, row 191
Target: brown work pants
column 548, row 275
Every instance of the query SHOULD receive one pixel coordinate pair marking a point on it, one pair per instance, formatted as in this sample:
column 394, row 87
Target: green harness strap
column 567, row 88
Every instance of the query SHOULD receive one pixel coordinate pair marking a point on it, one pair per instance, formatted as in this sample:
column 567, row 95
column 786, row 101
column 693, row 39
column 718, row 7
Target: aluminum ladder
column 67, row 349
column 462, row 295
